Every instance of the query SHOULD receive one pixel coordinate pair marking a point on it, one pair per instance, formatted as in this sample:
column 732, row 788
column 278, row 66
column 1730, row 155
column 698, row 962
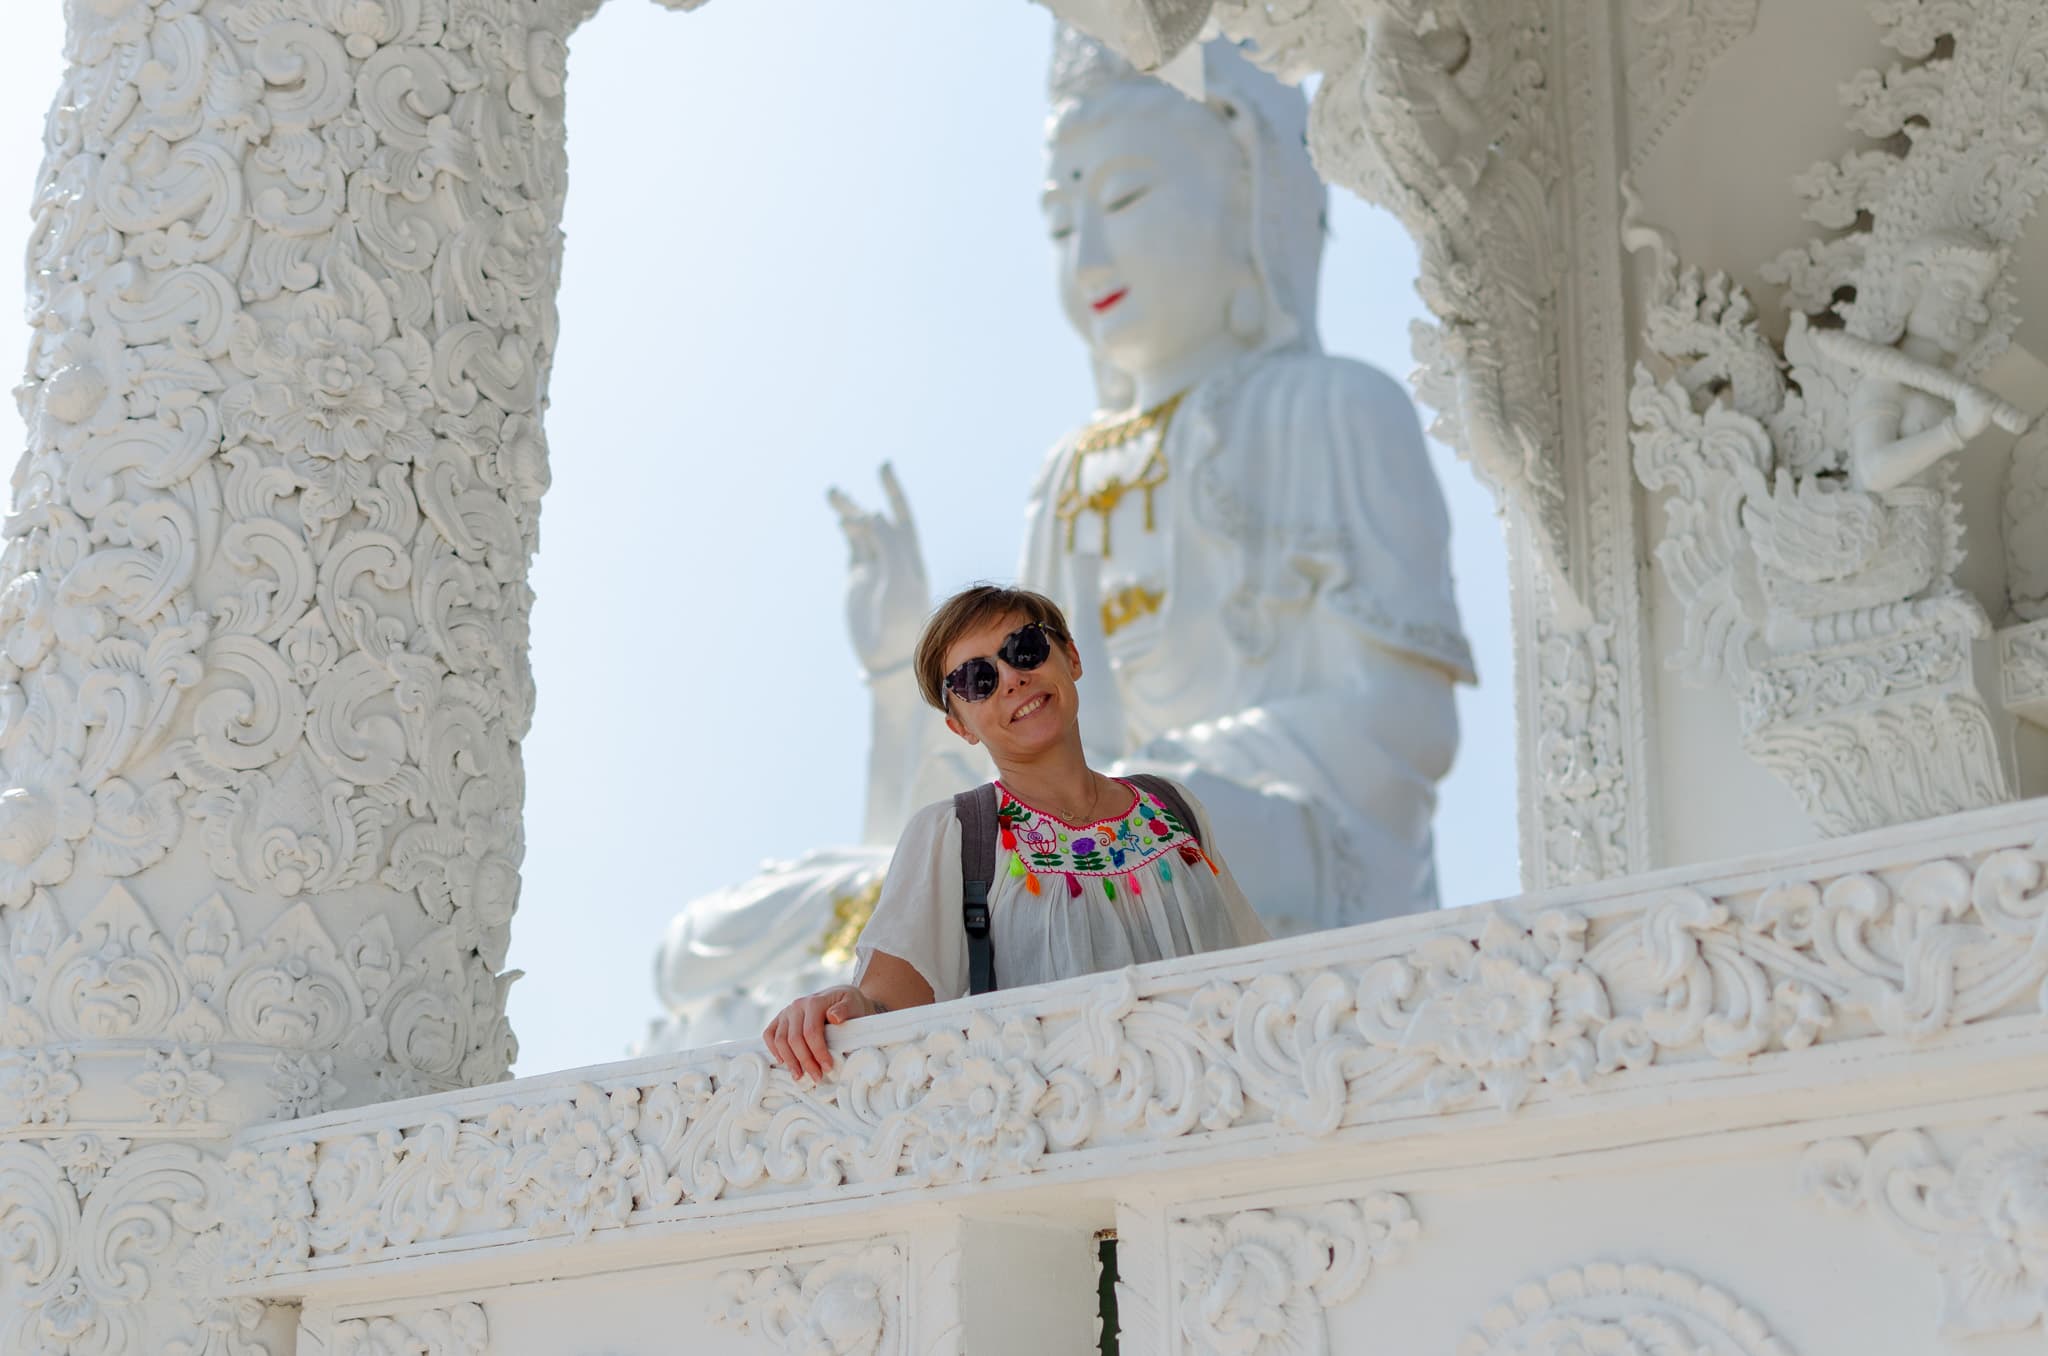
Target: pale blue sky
column 802, row 238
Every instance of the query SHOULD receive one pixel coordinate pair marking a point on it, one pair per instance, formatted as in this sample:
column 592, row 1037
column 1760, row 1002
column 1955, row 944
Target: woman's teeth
column 1027, row 708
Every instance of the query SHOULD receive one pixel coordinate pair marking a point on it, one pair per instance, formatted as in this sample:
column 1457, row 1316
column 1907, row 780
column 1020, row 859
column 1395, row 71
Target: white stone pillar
column 265, row 611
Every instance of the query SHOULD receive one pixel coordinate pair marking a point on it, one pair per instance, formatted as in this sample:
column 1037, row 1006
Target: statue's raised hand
column 886, row 593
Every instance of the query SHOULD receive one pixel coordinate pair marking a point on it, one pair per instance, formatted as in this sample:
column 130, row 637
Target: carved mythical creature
column 1908, row 409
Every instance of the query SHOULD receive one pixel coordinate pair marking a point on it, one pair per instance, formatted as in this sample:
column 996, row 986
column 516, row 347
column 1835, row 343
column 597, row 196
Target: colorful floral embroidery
column 1044, row 844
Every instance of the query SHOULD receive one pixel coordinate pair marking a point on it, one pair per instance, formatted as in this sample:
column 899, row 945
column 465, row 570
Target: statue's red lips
column 1104, row 303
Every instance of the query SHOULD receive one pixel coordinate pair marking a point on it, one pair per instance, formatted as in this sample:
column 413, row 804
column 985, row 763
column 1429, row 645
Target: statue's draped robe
column 1304, row 648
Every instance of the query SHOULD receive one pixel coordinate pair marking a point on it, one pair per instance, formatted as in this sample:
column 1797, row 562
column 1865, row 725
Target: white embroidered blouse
column 1068, row 899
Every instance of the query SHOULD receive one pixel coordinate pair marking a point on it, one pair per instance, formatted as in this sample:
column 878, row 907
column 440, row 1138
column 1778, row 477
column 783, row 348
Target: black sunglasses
column 1024, row 649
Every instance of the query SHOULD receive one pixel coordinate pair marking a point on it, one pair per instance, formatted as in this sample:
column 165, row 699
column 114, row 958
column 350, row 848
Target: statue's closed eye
column 1123, row 200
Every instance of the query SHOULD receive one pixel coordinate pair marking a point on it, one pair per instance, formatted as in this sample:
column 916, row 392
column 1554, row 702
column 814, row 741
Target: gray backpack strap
column 1169, row 796
column 976, row 810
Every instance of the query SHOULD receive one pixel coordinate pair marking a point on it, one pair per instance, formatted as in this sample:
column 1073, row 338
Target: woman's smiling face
column 1031, row 711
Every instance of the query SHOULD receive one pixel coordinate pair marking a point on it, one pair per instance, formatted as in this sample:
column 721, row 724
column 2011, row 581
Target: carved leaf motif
column 1257, row 1282
column 1978, row 1213
column 1520, row 1011
column 460, row 1330
column 1669, row 46
column 110, row 1249
column 278, row 249
column 847, row 1305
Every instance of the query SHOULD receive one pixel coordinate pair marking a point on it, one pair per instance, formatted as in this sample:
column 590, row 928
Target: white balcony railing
column 1784, row 1105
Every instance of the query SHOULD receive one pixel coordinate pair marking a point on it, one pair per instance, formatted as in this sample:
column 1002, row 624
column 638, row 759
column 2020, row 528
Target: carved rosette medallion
column 1632, row 1309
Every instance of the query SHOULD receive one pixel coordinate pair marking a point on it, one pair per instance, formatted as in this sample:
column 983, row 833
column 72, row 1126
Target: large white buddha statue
column 1247, row 537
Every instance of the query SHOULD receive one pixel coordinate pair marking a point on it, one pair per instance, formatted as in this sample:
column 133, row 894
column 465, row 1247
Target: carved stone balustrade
column 1793, row 1104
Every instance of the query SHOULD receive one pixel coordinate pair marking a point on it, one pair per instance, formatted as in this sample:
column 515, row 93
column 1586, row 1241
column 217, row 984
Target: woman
column 1090, row 872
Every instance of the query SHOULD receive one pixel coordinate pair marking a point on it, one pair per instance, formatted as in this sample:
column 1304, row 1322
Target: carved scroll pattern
column 1976, row 1213
column 1259, row 1282
column 266, row 566
column 1493, row 1011
column 111, row 1247
column 850, row 1304
column 462, row 1330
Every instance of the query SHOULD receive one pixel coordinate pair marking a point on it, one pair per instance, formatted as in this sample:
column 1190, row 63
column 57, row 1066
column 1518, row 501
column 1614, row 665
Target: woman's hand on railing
column 796, row 1037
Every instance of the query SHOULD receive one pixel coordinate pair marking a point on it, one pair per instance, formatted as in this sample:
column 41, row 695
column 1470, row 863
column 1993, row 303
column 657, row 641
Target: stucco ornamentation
column 850, row 1304
column 1257, row 1283
column 461, row 1330
column 1981, row 1213
column 1813, row 525
column 1491, row 1010
column 1627, row 1309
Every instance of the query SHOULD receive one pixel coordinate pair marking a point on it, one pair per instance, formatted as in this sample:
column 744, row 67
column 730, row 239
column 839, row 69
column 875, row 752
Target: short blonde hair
column 964, row 611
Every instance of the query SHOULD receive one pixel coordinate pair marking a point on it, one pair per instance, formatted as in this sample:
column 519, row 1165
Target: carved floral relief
column 293, row 299
column 1490, row 1012
column 1980, row 1214
column 1258, row 1282
column 851, row 1304
column 1813, row 527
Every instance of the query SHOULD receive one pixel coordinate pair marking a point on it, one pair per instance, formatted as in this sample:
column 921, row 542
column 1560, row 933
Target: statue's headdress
column 1269, row 121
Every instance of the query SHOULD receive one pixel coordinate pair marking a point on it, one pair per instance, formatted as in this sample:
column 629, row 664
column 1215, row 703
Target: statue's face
column 1949, row 308
column 1147, row 209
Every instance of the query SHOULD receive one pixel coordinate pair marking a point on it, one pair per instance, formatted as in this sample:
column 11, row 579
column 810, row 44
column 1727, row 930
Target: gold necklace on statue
column 1103, row 500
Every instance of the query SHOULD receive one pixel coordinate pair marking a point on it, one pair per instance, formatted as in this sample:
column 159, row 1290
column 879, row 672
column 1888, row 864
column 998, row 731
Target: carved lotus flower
column 176, row 1083
column 40, row 1087
column 277, row 1227
column 86, row 1158
column 304, row 1085
column 336, row 377
column 1513, row 1010
column 980, row 1116
column 589, row 1162
column 70, row 1315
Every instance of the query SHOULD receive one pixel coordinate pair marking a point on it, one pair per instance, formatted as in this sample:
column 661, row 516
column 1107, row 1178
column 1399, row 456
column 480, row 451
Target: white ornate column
column 264, row 675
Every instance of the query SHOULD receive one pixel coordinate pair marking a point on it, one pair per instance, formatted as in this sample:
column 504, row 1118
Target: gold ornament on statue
column 1103, row 500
